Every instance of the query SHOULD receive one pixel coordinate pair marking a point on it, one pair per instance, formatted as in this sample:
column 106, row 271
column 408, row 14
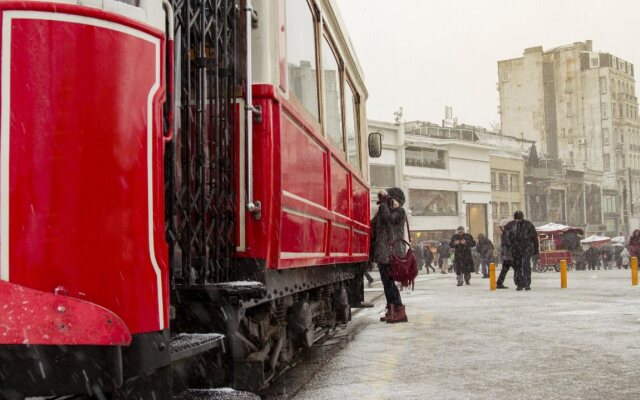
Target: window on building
column 569, row 109
column 555, row 207
column 515, row 183
column 332, row 99
column 433, row 202
column 606, row 161
column 605, row 136
column 603, row 85
column 493, row 181
column 351, row 126
column 383, row 176
column 426, row 158
column 131, row 2
column 604, row 110
column 595, row 61
column 515, row 207
column 503, row 182
column 610, row 204
column 568, row 86
column 504, row 210
column 504, row 76
column 301, row 56
column 494, row 210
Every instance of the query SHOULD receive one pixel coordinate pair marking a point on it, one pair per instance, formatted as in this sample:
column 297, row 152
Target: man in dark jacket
column 485, row 248
column 462, row 243
column 521, row 241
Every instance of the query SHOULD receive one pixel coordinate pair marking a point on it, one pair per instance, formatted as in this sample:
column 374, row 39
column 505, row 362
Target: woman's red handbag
column 404, row 268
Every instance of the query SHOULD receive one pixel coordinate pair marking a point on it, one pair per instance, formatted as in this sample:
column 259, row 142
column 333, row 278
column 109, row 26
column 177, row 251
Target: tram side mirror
column 375, row 144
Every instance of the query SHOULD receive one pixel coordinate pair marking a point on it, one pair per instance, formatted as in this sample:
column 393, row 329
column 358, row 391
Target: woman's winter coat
column 387, row 226
column 634, row 244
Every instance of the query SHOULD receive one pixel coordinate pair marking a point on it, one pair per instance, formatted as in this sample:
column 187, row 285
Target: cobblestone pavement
column 469, row 343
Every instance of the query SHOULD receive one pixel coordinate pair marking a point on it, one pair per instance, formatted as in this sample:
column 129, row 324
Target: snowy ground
column 469, row 343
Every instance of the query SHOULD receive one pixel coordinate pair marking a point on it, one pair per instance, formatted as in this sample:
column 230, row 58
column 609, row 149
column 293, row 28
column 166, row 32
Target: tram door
column 477, row 219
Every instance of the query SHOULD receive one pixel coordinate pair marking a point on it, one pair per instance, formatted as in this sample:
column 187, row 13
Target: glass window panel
column 301, row 56
column 351, row 125
column 433, row 202
column 426, row 158
column 332, row 99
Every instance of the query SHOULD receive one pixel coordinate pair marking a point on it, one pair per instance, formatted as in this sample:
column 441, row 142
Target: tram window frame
column 326, row 39
column 297, row 102
column 355, row 104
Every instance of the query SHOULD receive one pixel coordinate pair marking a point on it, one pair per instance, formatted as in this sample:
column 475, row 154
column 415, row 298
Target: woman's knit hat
column 397, row 194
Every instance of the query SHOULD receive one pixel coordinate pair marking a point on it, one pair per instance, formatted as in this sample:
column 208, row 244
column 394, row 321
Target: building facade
column 579, row 107
column 444, row 172
column 507, row 177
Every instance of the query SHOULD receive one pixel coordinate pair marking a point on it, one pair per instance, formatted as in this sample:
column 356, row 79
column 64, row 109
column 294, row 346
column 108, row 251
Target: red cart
column 557, row 242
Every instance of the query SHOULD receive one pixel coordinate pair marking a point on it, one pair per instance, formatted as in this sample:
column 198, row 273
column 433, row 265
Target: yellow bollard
column 492, row 276
column 634, row 271
column 563, row 274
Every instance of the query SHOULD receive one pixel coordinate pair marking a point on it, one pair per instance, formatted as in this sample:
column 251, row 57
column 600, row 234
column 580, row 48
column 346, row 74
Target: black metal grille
column 200, row 191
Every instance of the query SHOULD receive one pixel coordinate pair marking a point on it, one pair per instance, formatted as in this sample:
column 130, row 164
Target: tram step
column 187, row 345
column 216, row 394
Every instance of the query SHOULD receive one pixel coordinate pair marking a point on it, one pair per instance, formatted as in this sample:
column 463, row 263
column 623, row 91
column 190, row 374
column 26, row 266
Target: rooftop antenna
column 449, row 120
column 397, row 115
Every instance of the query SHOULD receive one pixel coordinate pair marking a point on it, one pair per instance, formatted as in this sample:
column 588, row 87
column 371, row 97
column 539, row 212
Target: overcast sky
column 425, row 54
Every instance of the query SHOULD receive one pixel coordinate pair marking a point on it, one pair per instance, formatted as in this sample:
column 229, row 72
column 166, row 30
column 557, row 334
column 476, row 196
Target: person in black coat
column 462, row 243
column 485, row 249
column 520, row 239
column 428, row 258
column 444, row 252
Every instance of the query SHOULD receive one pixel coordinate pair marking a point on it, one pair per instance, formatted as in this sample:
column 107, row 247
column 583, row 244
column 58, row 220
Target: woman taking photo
column 386, row 227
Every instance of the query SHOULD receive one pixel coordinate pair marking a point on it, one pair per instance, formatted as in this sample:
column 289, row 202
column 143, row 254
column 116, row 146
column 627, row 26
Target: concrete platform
column 469, row 343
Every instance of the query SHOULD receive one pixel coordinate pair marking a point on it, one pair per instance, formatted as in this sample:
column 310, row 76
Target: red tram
column 183, row 192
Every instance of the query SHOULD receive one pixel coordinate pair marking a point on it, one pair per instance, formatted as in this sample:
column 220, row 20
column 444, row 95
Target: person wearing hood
column 462, row 243
column 485, row 248
column 634, row 244
column 387, row 226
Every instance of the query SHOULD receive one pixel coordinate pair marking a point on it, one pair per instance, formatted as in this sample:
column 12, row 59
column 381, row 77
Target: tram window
column 301, row 55
column 332, row 99
column 351, row 125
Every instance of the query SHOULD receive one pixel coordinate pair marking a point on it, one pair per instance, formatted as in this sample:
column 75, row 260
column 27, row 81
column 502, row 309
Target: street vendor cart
column 557, row 242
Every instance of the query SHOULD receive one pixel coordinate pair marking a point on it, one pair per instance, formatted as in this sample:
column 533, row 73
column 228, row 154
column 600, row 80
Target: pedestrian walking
column 521, row 241
column 593, row 258
column 506, row 261
column 428, row 258
column 462, row 243
column 476, row 260
column 367, row 275
column 418, row 255
column 444, row 252
column 634, row 244
column 485, row 248
column 387, row 227
column 625, row 257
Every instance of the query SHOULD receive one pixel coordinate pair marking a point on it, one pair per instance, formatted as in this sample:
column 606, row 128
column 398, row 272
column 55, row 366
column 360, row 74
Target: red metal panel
column 361, row 207
column 340, row 199
column 339, row 239
column 301, row 234
column 79, row 172
column 294, row 229
column 360, row 242
column 303, row 163
column 33, row 317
